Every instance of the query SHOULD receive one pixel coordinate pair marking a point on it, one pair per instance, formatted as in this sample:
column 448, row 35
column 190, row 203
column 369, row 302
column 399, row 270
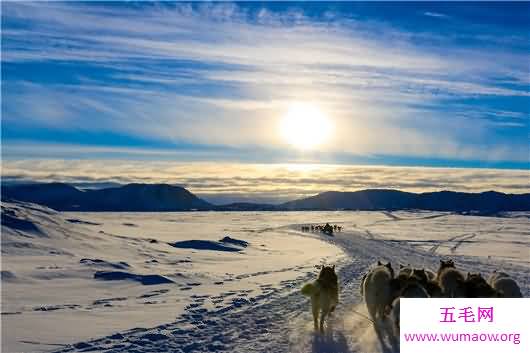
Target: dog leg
column 382, row 311
column 316, row 310
column 322, row 318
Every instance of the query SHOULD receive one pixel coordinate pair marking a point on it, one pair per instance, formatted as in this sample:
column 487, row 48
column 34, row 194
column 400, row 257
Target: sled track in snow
column 434, row 249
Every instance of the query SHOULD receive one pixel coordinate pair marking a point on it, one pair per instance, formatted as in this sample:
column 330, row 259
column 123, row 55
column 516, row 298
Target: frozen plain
column 220, row 295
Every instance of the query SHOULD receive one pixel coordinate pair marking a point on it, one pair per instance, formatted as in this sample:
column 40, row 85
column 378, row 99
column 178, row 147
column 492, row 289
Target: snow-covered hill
column 150, row 282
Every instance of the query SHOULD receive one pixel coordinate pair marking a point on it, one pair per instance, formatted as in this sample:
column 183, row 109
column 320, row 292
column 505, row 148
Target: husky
column 477, row 287
column 414, row 290
column 324, row 294
column 378, row 290
column 434, row 290
column 411, row 289
column 408, row 275
column 395, row 317
column 404, row 270
column 506, row 286
column 413, row 286
column 497, row 275
column 450, row 280
column 431, row 276
column 443, row 266
column 427, row 279
column 419, row 275
column 398, row 283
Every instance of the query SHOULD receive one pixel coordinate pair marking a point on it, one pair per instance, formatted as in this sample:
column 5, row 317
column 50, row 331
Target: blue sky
column 404, row 84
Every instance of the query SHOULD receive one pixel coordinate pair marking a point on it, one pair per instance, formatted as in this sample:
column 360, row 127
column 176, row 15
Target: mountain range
column 130, row 197
column 164, row 197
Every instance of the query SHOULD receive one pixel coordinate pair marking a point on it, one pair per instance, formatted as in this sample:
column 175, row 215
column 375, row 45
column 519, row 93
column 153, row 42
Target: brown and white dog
column 324, row 294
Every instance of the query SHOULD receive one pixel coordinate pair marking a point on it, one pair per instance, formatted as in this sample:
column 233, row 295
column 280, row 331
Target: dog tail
column 308, row 289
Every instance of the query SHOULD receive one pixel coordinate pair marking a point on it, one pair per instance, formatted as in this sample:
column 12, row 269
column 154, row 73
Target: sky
column 416, row 96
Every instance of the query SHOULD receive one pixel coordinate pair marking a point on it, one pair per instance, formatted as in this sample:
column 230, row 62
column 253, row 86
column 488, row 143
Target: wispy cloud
column 435, row 14
column 224, row 74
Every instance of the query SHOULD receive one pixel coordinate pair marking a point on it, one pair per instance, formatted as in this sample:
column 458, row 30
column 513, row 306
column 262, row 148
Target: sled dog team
column 381, row 289
column 321, row 228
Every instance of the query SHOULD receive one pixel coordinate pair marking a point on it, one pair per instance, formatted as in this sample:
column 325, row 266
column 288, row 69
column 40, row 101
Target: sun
column 305, row 126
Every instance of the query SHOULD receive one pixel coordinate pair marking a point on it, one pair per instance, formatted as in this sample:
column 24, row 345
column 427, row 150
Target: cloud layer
column 225, row 182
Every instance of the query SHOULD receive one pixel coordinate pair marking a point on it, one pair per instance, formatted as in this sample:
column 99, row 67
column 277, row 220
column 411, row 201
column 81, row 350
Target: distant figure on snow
column 328, row 229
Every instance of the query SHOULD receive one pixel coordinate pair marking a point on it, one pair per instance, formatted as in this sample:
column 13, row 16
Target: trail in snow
column 457, row 238
column 461, row 240
column 280, row 321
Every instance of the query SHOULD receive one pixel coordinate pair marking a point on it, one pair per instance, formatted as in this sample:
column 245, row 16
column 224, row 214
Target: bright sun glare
column 305, row 126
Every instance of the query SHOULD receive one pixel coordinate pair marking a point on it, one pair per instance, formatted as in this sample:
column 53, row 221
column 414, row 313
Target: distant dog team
column 326, row 228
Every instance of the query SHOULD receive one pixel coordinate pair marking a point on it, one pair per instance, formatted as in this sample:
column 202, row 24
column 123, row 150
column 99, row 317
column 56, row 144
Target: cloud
column 435, row 14
column 223, row 75
column 222, row 182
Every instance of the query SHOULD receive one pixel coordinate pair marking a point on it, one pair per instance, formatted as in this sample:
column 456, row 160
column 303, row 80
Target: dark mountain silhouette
column 131, row 197
column 381, row 199
column 58, row 196
column 361, row 200
column 163, row 197
column 146, row 197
